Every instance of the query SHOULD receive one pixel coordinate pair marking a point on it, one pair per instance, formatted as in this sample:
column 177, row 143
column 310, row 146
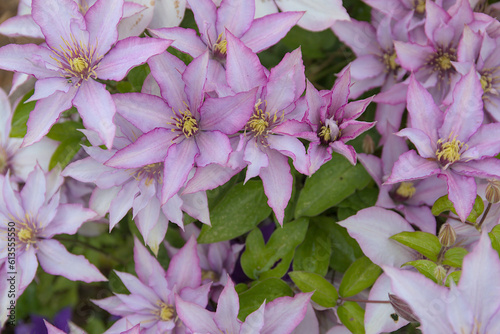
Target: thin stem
column 457, row 219
column 86, row 245
column 484, row 216
column 364, row 301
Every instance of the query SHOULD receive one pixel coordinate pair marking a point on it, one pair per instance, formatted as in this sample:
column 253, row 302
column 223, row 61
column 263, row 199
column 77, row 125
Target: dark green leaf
column 360, row 275
column 313, row 255
column 455, row 276
column 325, row 293
column 239, row 211
column 454, row 257
column 65, row 131
column 21, row 115
column 258, row 257
column 425, row 243
column 443, row 204
column 425, row 267
column 65, row 152
column 266, row 290
column 495, row 238
column 332, row 183
column 352, row 316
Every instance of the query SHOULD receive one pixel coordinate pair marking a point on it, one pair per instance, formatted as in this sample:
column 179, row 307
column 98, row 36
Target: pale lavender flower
column 76, row 53
column 152, row 302
column 280, row 316
column 473, row 306
column 453, row 145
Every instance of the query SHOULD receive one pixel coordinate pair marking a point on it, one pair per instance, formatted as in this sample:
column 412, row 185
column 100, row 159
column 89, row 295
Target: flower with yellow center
column 389, row 60
column 185, row 122
column 420, row 6
column 261, row 122
column 152, row 172
column 220, row 46
column 449, row 152
column 406, row 190
column 166, row 312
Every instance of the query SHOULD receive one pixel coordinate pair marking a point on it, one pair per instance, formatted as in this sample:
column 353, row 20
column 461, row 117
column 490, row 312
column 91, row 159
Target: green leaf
column 332, row 183
column 21, row 115
column 454, row 257
column 425, row 243
column 495, row 238
column 325, row 293
column 137, row 75
column 65, row 152
column 443, row 204
column 258, row 257
column 352, row 316
column 239, row 211
column 313, row 255
column 455, row 276
column 266, row 290
column 345, row 250
column 65, row 131
column 360, row 275
column 425, row 267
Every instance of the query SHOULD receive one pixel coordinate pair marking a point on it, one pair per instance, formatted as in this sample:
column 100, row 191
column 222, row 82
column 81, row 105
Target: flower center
column 261, row 123
column 449, row 151
column 444, row 62
column 209, row 275
column 78, row 64
column 420, row 6
column 389, row 60
column 186, row 123
column 26, row 235
column 220, row 46
column 151, row 172
column 441, row 60
column 328, row 132
column 167, row 312
column 406, row 190
column 486, row 82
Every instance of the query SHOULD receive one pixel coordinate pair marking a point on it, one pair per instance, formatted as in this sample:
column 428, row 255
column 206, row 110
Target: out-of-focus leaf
column 65, row 152
column 66, row 130
column 352, row 316
column 360, row 275
column 21, row 115
column 455, row 256
column 313, row 255
column 425, row 243
column 425, row 267
column 455, row 276
column 325, row 293
column 443, row 204
column 495, row 238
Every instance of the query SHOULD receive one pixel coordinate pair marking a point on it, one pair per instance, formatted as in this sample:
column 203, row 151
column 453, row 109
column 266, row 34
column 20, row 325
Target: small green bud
column 493, row 191
column 447, row 235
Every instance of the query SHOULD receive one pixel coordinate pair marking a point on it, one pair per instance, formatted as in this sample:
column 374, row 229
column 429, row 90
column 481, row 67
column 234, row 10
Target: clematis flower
column 118, row 190
column 453, row 145
column 412, row 198
column 36, row 216
column 76, row 54
column 152, row 301
column 330, row 123
column 473, row 306
column 265, row 151
column 181, row 128
column 20, row 161
column 280, row 316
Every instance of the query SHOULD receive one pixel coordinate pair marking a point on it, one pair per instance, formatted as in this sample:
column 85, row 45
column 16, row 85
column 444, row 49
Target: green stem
column 364, row 301
column 484, row 216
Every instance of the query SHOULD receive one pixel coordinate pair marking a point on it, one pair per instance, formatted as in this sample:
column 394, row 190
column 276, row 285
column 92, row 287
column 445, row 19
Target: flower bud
column 447, row 235
column 440, row 273
column 402, row 308
column 368, row 145
column 493, row 191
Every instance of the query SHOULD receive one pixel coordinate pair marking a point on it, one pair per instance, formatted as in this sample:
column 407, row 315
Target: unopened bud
column 368, row 145
column 440, row 273
column 493, row 191
column 402, row 308
column 447, row 235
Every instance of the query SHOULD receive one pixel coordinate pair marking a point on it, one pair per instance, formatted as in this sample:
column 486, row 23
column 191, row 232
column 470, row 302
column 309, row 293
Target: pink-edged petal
column 315, row 107
column 122, row 203
column 296, row 129
column 255, row 321
column 101, row 199
column 195, row 77
column 290, row 66
column 136, row 17
column 422, row 217
column 256, row 159
column 227, row 114
column 144, row 111
column 28, row 258
column 148, row 149
column 372, row 229
column 378, row 315
column 423, row 296
column 86, row 170
column 97, row 109
column 412, row 56
column 56, row 260
column 214, row 147
column 356, row 108
column 346, row 150
column 127, row 53
column 423, row 143
column 195, row 317
column 411, row 166
column 48, row 86
column 227, row 309
column 59, row 20
column 484, row 168
column 185, row 40
column 205, row 15
column 136, row 287
column 269, row 30
column 293, row 148
column 46, row 113
column 236, row 16
column 102, row 19
column 180, row 159
column 351, row 129
column 373, row 166
column 367, row 66
column 484, row 143
column 428, row 191
column 277, row 182
column 283, row 314
column 461, row 192
column 33, row 192
column 196, row 205
column 465, row 114
column 209, row 177
column 21, row 26
column 147, row 267
column 157, row 234
column 394, row 147
column 318, row 155
column 68, row 219
column 243, row 68
column 360, row 36
column 181, row 275
column 424, row 113
column 319, row 14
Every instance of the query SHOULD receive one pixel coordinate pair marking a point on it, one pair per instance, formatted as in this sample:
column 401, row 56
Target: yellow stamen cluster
column 420, row 6
column 325, row 133
column 486, row 82
column 77, row 60
column 262, row 122
column 220, row 46
column 441, row 60
column 26, row 235
column 389, row 60
column 406, row 190
column 210, row 275
column 186, row 123
column 166, row 312
column 151, row 172
column 449, row 152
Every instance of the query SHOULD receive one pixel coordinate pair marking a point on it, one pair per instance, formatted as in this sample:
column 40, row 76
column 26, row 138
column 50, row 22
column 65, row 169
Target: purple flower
column 453, row 145
column 77, row 52
column 280, row 316
column 152, row 302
